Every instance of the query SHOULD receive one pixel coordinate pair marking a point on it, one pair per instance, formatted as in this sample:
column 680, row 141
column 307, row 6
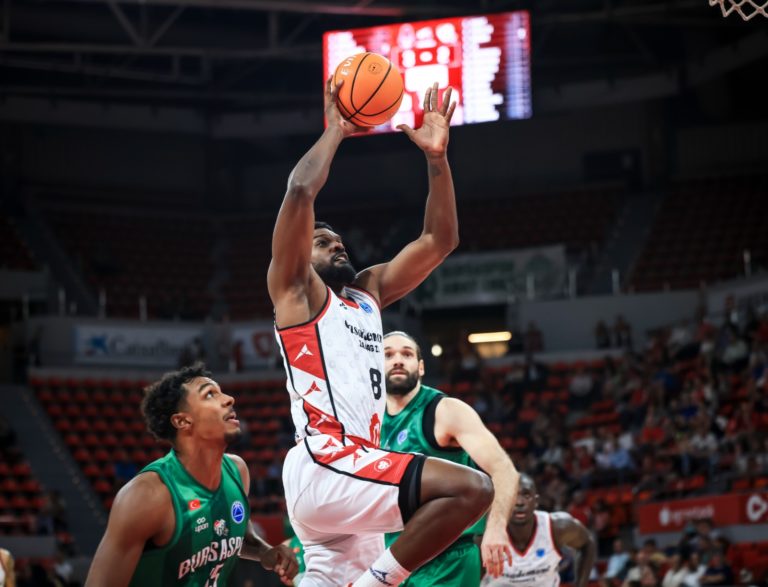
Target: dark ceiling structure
column 243, row 54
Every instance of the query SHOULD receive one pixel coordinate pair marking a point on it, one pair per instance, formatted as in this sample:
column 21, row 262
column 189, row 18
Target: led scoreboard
column 486, row 59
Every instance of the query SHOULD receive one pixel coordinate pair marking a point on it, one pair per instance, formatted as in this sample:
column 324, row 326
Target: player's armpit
column 138, row 514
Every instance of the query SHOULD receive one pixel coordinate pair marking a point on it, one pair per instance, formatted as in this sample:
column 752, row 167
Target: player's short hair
column 162, row 399
column 409, row 337
column 527, row 477
column 325, row 225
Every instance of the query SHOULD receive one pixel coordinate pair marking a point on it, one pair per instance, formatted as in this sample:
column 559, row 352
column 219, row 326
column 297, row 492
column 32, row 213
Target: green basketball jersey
column 413, row 430
column 210, row 526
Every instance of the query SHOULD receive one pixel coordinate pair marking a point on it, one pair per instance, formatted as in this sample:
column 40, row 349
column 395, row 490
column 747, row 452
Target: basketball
column 372, row 90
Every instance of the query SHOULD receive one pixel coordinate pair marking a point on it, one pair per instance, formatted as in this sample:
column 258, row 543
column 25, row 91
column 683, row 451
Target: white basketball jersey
column 335, row 369
column 537, row 566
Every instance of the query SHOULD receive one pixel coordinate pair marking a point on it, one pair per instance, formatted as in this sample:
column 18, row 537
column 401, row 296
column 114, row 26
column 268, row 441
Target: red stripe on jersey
column 324, row 423
column 350, row 303
column 389, row 469
column 302, row 350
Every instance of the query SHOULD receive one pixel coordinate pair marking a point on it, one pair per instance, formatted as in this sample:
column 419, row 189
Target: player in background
column 424, row 420
column 537, row 541
column 7, row 574
column 342, row 491
column 184, row 520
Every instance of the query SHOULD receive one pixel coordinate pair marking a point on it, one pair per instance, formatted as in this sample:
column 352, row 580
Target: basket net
column 746, row 9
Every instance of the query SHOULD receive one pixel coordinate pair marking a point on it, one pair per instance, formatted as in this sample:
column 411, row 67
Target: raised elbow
column 298, row 191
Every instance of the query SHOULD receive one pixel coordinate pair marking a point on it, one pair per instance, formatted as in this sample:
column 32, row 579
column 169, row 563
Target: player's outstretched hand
column 432, row 136
column 495, row 549
column 332, row 114
column 282, row 560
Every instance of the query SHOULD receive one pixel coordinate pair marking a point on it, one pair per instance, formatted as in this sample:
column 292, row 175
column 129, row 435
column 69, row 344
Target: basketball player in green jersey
column 184, row 520
column 422, row 419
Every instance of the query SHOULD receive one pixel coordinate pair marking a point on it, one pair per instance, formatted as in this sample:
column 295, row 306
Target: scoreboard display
column 485, row 59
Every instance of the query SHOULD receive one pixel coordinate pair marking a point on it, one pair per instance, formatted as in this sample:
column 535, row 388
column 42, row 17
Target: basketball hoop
column 746, row 9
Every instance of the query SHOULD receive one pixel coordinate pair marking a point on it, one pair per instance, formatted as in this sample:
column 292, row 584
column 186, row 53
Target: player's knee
column 480, row 491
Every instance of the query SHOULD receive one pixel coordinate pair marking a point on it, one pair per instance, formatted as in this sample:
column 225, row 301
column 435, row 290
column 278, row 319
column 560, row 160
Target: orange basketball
column 372, row 90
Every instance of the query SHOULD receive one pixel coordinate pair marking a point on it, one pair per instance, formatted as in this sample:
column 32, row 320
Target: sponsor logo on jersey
column 401, row 436
column 194, row 504
column 380, row 576
column 200, row 525
column 304, row 352
column 220, row 527
column 215, row 552
column 366, row 308
column 541, row 552
column 312, row 388
column 383, row 464
column 237, row 512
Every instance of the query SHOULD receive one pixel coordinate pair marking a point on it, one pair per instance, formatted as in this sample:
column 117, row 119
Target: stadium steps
column 626, row 241
column 47, row 248
column 53, row 465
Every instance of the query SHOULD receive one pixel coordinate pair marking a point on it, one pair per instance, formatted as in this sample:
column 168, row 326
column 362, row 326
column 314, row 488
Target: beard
column 333, row 274
column 403, row 386
column 235, row 436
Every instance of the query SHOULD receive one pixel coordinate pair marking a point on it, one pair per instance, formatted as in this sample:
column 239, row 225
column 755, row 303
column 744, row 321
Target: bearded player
column 342, row 491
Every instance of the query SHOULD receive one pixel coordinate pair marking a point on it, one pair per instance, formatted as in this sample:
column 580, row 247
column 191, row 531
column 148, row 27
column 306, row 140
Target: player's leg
column 452, row 498
column 458, row 566
column 449, row 499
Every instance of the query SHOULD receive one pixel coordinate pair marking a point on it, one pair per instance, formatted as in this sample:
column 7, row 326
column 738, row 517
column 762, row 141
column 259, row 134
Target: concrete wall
column 570, row 324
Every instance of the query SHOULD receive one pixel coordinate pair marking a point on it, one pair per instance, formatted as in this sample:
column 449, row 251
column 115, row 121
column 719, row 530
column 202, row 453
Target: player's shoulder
column 145, row 493
column 453, row 409
column 241, row 465
column 560, row 518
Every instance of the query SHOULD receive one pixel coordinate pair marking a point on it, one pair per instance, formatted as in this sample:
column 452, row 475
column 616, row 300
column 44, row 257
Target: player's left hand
column 432, row 136
column 282, row 560
column 495, row 549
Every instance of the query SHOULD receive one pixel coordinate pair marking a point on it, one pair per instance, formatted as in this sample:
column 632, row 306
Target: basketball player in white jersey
column 342, row 491
column 537, row 540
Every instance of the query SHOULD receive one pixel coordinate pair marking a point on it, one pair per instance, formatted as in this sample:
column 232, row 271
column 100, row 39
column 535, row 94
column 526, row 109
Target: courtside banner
column 257, row 343
column 495, row 278
column 723, row 510
column 150, row 346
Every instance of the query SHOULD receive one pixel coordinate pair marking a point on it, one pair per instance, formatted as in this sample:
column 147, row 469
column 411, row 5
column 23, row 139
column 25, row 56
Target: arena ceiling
column 244, row 54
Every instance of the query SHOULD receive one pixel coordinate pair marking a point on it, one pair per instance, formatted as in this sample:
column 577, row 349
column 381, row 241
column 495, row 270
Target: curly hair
column 162, row 399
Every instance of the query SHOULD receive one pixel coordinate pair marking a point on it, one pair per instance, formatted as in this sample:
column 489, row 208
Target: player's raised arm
column 458, row 423
column 393, row 280
column 568, row 531
column 290, row 276
column 138, row 515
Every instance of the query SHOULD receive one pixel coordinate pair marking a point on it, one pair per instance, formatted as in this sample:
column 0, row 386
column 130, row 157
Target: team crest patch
column 383, row 464
column 237, row 512
column 220, row 527
column 541, row 552
column 366, row 308
column 402, row 435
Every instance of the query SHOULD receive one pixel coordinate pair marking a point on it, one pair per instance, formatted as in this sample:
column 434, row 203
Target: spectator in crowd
column 602, row 335
column 579, row 508
column 622, row 333
column 534, row 339
column 694, row 570
column 676, row 573
column 616, row 569
column 718, row 572
column 581, row 387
